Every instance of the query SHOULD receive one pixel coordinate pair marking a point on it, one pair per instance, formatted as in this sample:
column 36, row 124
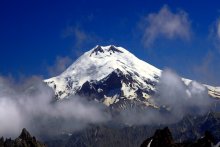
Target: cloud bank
column 175, row 99
column 31, row 105
column 165, row 24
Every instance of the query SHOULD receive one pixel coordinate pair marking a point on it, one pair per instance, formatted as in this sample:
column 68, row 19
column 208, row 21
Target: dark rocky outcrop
column 163, row 138
column 24, row 140
column 184, row 133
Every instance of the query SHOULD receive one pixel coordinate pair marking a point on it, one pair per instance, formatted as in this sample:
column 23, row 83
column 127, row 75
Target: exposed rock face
column 24, row 140
column 186, row 132
column 25, row 135
column 163, row 138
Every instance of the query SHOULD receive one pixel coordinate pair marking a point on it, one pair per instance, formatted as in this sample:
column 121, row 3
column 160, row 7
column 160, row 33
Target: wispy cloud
column 208, row 70
column 214, row 34
column 165, row 24
column 175, row 99
column 60, row 65
column 80, row 36
column 204, row 68
column 32, row 100
column 30, row 104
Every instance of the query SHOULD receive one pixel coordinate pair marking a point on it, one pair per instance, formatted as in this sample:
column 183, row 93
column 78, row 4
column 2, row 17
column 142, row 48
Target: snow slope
column 98, row 68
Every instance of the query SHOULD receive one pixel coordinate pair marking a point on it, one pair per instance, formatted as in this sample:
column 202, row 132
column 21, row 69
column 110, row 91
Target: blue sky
column 41, row 37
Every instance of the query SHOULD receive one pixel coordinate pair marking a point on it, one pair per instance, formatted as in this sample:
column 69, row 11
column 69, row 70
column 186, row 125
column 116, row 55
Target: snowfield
column 96, row 65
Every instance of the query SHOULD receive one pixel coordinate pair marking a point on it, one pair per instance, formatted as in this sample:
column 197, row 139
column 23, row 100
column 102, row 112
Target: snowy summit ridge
column 108, row 74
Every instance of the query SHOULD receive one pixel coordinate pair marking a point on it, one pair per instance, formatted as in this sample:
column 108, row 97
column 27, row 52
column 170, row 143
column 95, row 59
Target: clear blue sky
column 34, row 34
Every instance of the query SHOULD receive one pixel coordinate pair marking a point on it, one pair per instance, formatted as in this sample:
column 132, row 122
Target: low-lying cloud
column 182, row 99
column 33, row 107
column 165, row 24
column 175, row 100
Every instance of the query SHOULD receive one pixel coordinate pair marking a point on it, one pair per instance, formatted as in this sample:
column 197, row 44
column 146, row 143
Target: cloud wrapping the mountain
column 175, row 100
column 165, row 24
column 181, row 99
column 31, row 105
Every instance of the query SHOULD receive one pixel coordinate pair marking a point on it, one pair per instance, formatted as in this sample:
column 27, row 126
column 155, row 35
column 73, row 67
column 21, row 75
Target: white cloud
column 165, row 24
column 31, row 106
column 175, row 99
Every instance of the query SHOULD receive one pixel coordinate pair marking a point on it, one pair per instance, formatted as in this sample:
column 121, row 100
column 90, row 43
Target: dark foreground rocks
column 24, row 140
column 163, row 138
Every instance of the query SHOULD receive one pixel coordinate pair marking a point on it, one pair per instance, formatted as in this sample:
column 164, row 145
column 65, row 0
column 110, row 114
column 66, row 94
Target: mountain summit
column 111, row 75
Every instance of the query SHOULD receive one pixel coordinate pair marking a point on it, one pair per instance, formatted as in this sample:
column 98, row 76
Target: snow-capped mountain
column 111, row 75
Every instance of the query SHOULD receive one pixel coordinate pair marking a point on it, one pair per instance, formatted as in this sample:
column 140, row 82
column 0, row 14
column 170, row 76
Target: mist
column 174, row 100
column 30, row 104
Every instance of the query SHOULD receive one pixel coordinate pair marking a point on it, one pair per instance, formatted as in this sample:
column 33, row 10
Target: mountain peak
column 94, row 71
column 98, row 64
column 25, row 134
column 110, row 49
